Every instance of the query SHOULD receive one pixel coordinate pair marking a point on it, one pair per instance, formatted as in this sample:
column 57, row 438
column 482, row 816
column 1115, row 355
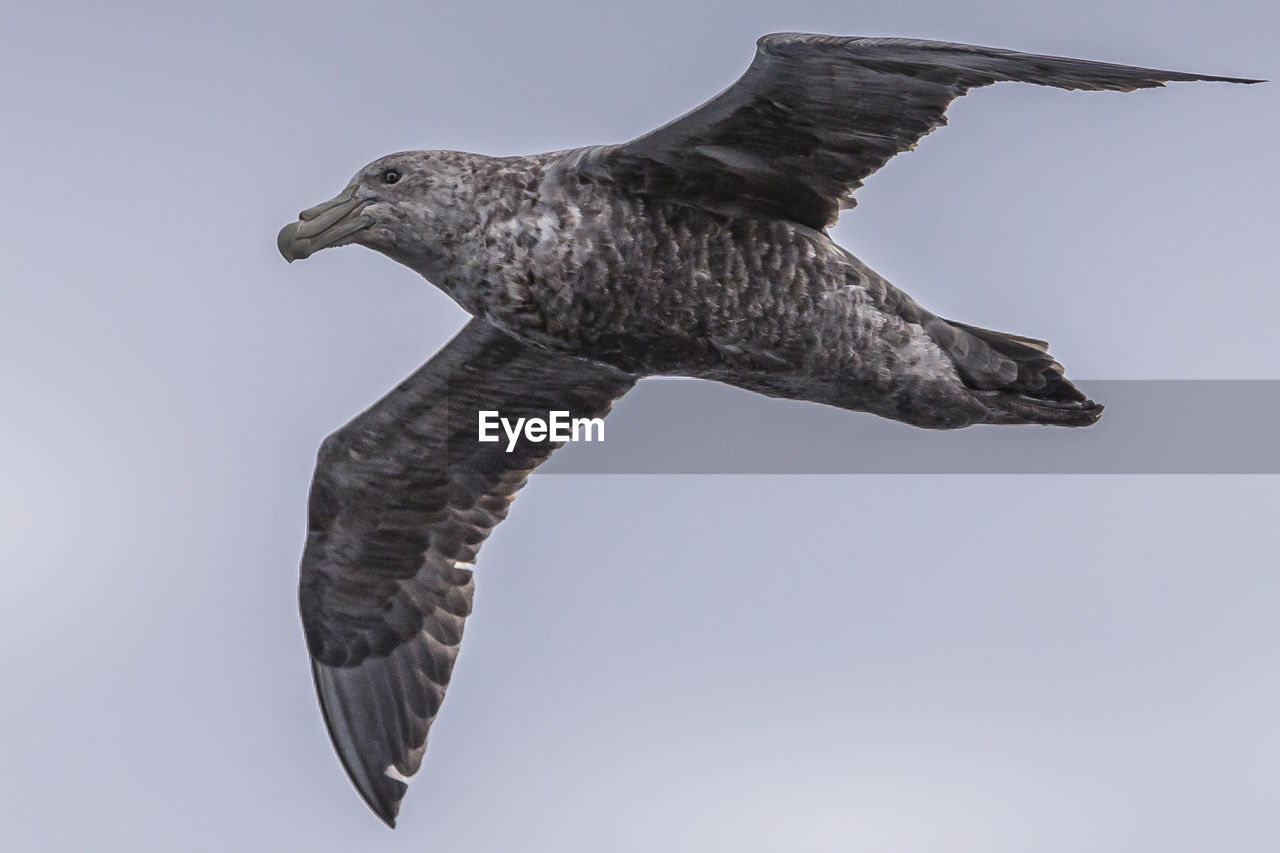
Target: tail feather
column 1014, row 375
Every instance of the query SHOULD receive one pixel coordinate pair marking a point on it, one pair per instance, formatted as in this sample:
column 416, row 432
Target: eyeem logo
column 557, row 427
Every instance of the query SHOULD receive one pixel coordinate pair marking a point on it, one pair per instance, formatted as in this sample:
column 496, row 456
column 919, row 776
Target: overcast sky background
column 678, row 663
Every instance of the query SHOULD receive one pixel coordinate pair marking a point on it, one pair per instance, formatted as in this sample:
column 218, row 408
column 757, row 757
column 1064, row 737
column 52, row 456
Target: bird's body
column 555, row 252
column 699, row 249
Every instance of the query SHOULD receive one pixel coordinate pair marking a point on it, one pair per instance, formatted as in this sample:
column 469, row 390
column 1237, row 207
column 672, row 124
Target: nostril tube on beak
column 312, row 212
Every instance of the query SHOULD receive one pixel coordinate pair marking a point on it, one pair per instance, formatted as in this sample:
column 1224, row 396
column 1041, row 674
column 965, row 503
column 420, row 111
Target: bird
column 699, row 249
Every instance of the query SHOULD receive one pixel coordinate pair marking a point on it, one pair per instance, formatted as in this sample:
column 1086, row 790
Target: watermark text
column 558, row 426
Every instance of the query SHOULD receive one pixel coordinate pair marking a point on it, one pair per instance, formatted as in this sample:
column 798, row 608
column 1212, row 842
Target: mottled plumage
column 699, row 250
column 402, row 499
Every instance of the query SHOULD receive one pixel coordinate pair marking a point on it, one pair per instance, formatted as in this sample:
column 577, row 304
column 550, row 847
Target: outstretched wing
column 814, row 115
column 402, row 499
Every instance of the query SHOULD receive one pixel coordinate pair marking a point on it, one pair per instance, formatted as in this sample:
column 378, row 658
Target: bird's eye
column 390, row 176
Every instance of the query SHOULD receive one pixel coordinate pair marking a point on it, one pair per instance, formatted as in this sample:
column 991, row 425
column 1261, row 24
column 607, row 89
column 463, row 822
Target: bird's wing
column 402, row 499
column 814, row 115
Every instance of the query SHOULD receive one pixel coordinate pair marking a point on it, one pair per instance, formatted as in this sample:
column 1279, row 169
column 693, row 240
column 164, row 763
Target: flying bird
column 699, row 249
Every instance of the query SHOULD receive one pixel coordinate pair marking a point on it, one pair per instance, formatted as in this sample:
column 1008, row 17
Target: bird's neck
column 471, row 245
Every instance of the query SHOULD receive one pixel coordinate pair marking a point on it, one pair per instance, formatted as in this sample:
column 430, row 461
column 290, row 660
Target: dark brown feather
column 402, row 499
column 814, row 115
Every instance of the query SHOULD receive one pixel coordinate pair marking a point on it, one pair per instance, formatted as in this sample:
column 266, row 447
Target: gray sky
column 687, row 663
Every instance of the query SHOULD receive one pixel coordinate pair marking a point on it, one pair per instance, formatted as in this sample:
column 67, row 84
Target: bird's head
column 398, row 205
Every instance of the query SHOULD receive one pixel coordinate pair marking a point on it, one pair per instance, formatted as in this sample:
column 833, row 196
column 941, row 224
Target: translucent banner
column 1149, row 427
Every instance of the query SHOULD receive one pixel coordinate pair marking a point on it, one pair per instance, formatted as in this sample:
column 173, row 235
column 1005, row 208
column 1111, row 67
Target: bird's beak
column 332, row 223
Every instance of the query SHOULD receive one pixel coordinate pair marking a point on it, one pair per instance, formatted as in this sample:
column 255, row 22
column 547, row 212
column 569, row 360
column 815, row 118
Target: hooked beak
column 332, row 223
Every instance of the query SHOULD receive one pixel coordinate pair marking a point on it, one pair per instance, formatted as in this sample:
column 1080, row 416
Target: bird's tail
column 1013, row 376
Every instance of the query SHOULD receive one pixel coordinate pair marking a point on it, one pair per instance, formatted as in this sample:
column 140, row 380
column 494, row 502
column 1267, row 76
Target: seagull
column 699, row 249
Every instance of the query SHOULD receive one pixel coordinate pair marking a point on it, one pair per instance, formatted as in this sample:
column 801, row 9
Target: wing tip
column 385, row 804
column 770, row 42
column 387, row 812
column 1213, row 78
column 384, row 795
